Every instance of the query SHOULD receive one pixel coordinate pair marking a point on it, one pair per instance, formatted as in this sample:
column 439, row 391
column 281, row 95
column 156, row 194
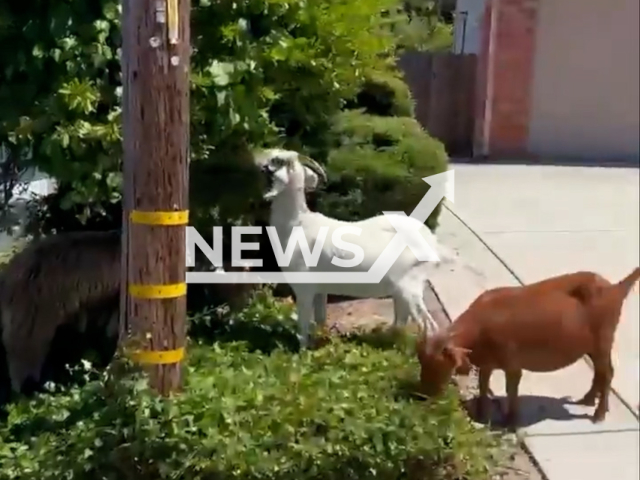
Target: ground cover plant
column 252, row 411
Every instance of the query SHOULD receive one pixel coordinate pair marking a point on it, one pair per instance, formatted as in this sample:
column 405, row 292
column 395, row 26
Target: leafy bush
column 423, row 34
column 263, row 73
column 57, row 213
column 384, row 93
column 343, row 411
column 266, row 324
column 378, row 164
column 427, row 28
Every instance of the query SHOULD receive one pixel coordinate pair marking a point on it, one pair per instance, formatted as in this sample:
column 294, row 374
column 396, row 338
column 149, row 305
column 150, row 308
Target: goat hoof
column 598, row 417
column 587, row 401
column 483, row 408
column 511, row 422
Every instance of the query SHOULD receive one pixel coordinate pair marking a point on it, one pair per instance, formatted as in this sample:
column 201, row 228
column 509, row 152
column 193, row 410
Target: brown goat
column 542, row 327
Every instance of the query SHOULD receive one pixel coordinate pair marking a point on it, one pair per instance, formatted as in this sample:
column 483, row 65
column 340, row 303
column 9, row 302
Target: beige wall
column 585, row 100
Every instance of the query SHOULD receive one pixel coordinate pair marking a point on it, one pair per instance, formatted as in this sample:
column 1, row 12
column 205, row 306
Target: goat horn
column 313, row 165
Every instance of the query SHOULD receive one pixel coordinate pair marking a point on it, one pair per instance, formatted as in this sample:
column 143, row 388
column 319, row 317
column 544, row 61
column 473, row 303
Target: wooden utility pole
column 155, row 66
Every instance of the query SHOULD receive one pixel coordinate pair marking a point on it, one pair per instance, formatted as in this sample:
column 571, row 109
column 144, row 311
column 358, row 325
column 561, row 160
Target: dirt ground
column 347, row 314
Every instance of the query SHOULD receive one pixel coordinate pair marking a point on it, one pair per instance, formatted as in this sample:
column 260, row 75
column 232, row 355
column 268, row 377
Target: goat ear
column 459, row 357
column 433, row 344
column 310, row 179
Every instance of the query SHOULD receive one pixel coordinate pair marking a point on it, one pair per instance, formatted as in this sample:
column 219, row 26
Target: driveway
column 548, row 220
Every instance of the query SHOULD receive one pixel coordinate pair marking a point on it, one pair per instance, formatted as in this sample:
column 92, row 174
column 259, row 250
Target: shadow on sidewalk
column 556, row 162
column 533, row 409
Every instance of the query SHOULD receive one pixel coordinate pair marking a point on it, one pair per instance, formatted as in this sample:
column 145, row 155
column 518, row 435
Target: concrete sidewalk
column 530, row 222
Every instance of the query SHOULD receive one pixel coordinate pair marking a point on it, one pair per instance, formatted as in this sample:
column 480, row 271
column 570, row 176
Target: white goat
column 404, row 282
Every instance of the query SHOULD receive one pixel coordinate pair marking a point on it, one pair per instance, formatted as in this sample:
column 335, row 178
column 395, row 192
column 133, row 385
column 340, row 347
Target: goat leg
column 320, row 309
column 589, row 399
column 431, row 321
column 604, row 369
column 513, row 378
column 304, row 304
column 400, row 313
column 483, row 404
column 591, row 396
column 421, row 314
column 410, row 297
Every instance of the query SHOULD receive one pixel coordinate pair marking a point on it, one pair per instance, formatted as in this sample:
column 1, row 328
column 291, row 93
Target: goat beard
column 69, row 279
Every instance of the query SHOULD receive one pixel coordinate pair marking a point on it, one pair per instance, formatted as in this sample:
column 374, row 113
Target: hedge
column 340, row 412
column 384, row 93
column 377, row 164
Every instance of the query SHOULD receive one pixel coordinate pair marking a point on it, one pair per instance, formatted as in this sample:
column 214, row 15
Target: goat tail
column 625, row 285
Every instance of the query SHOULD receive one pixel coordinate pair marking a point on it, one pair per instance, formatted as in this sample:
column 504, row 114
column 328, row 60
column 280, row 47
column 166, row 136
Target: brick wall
column 514, row 51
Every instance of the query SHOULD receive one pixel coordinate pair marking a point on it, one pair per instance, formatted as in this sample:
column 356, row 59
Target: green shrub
column 421, row 34
column 266, row 324
column 378, row 164
column 262, row 73
column 426, row 28
column 385, row 94
column 343, row 411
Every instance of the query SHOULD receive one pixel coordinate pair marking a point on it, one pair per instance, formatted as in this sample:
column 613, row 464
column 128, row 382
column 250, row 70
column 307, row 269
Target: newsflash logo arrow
column 409, row 234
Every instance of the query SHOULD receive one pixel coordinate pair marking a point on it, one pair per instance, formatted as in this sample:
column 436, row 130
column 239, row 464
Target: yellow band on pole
column 159, row 357
column 160, row 218
column 172, row 21
column 154, row 292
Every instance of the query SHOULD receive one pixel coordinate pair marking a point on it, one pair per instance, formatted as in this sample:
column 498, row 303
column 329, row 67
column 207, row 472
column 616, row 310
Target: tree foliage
column 377, row 164
column 264, row 72
column 419, row 25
